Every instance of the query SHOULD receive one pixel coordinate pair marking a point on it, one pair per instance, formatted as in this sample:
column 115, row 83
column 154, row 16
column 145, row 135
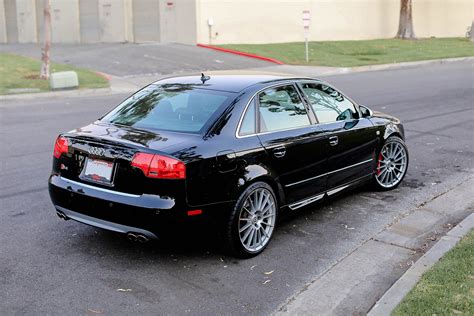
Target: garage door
column 146, row 25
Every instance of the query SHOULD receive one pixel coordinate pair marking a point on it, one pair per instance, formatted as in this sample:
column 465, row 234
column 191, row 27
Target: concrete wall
column 65, row 24
column 89, row 21
column 65, row 21
column 271, row 21
column 235, row 21
column 178, row 21
column 442, row 18
column 11, row 27
column 26, row 21
column 3, row 24
column 146, row 20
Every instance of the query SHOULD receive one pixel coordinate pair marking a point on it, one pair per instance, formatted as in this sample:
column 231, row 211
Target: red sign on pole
column 306, row 23
column 306, row 20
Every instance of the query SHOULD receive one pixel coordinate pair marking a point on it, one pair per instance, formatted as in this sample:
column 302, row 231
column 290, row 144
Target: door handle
column 279, row 152
column 333, row 140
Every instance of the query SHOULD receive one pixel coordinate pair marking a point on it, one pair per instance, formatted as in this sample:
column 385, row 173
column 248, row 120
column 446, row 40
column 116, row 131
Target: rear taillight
column 157, row 166
column 61, row 146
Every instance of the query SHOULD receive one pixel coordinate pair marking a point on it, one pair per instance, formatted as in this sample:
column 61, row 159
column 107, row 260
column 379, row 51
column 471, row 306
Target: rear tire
column 251, row 222
column 392, row 164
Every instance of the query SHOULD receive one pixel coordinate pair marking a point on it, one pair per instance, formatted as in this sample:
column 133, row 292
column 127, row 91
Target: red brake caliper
column 378, row 163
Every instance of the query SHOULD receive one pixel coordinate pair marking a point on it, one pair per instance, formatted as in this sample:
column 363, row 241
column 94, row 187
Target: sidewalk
column 357, row 281
column 400, row 289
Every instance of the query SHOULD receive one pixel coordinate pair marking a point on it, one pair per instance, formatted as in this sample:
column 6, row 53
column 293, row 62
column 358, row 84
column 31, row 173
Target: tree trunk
column 472, row 32
column 405, row 26
column 47, row 40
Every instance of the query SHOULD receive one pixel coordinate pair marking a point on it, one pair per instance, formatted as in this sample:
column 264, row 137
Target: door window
column 329, row 104
column 281, row 108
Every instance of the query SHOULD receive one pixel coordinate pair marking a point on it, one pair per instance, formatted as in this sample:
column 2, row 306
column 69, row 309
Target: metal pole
column 306, row 48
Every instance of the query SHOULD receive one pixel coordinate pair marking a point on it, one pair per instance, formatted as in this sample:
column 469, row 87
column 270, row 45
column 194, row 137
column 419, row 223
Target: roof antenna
column 204, row 78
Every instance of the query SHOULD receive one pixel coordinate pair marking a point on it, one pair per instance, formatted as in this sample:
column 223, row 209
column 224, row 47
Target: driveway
column 48, row 266
column 139, row 59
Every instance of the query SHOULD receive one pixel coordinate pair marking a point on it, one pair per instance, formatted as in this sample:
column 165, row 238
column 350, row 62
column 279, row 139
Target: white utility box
column 63, row 80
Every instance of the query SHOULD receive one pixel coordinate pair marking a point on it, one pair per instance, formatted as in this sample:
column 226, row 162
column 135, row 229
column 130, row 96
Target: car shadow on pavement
column 203, row 240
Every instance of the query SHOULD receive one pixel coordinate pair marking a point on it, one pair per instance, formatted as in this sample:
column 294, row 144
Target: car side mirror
column 365, row 111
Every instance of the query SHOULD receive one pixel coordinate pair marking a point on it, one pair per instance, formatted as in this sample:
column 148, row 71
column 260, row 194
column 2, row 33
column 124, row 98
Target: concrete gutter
column 321, row 71
column 357, row 281
column 409, row 279
column 56, row 94
column 410, row 64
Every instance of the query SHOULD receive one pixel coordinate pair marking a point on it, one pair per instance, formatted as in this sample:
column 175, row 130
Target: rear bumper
column 116, row 211
column 149, row 215
column 92, row 221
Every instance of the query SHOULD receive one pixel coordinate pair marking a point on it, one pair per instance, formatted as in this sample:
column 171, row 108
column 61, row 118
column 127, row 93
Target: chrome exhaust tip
column 142, row 239
column 132, row 237
column 137, row 237
column 62, row 216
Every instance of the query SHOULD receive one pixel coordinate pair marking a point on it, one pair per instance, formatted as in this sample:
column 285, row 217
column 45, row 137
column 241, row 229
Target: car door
column 352, row 140
column 296, row 149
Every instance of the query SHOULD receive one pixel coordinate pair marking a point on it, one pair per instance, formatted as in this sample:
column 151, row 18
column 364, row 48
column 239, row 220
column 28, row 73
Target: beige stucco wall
column 3, row 25
column 442, row 18
column 235, row 21
column 267, row 21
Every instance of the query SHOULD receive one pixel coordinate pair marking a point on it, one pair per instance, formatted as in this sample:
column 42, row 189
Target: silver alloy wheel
column 392, row 164
column 257, row 220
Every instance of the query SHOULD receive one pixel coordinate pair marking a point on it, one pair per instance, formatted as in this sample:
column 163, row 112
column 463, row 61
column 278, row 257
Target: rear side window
column 180, row 108
column 329, row 104
column 248, row 122
column 281, row 108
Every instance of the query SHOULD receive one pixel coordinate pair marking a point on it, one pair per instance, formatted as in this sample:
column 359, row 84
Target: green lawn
column 23, row 72
column 360, row 53
column 447, row 288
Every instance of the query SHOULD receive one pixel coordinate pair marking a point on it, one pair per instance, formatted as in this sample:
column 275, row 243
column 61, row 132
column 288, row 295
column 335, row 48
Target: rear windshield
column 179, row 108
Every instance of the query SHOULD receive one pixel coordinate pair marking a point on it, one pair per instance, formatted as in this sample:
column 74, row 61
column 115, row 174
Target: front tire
column 392, row 164
column 252, row 221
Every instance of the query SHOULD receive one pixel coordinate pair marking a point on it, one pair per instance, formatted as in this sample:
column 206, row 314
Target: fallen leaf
column 266, row 281
column 94, row 311
column 269, row 272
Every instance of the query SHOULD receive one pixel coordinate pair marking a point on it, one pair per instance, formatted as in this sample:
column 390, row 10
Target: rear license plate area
column 98, row 171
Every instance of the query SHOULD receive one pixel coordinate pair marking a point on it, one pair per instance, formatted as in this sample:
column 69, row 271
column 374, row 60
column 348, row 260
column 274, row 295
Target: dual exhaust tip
column 137, row 237
column 131, row 236
column 61, row 215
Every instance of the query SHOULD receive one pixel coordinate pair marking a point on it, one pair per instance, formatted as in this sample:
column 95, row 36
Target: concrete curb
column 356, row 281
column 394, row 66
column 406, row 64
column 55, row 94
column 410, row 278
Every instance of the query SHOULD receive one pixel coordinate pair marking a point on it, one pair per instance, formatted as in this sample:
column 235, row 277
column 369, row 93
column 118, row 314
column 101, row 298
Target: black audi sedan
column 238, row 148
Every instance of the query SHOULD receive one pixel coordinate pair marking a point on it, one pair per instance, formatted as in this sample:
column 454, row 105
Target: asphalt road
column 138, row 59
column 48, row 266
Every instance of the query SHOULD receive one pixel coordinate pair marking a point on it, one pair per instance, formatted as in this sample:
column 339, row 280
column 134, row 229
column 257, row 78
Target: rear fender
column 254, row 173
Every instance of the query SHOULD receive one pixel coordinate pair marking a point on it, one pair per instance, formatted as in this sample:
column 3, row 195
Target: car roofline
column 278, row 78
